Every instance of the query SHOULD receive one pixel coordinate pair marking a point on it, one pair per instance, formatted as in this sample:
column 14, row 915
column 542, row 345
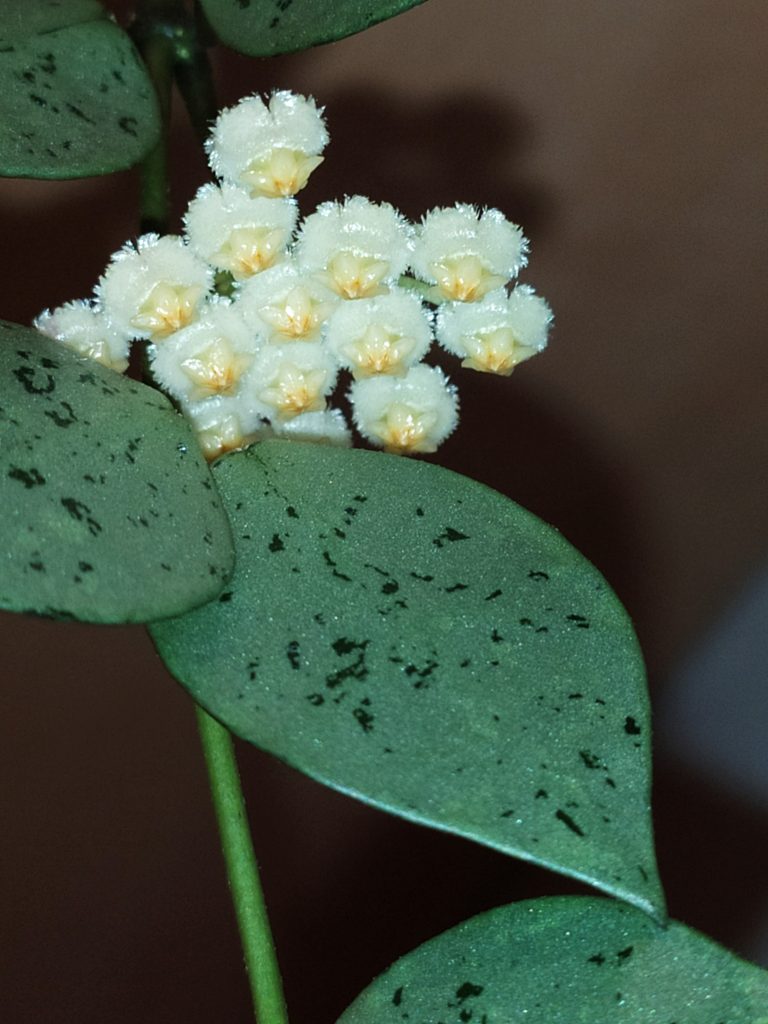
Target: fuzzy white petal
column 210, row 357
column 292, row 379
column 497, row 333
column 467, row 252
column 328, row 427
column 358, row 247
column 406, row 415
column 153, row 287
column 386, row 334
column 232, row 231
column 224, row 424
column 285, row 304
column 83, row 327
column 269, row 148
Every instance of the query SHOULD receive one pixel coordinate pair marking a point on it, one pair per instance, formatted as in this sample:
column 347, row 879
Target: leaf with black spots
column 263, row 28
column 566, row 960
column 75, row 98
column 419, row 641
column 110, row 513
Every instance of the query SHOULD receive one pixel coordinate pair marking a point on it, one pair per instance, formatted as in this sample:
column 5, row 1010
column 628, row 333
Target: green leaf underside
column 75, row 99
column 110, row 513
column 419, row 641
column 566, row 960
column 263, row 29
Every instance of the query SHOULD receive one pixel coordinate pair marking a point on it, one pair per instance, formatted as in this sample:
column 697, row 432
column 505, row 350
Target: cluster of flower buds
column 251, row 318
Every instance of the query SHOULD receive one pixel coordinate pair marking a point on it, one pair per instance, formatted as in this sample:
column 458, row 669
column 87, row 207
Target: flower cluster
column 251, row 318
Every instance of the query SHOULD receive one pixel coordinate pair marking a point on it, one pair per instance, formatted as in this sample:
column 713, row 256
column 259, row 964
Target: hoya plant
column 225, row 442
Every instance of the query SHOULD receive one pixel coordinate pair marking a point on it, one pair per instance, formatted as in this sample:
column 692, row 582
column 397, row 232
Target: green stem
column 194, row 77
column 156, row 46
column 242, row 872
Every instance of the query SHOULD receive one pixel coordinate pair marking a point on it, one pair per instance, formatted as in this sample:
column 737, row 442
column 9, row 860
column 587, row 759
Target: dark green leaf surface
column 109, row 512
column 417, row 640
column 566, row 960
column 75, row 98
column 262, row 28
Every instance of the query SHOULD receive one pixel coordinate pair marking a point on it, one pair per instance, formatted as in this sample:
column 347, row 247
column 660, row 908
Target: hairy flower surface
column 294, row 379
column 268, row 148
column 153, row 287
column 499, row 332
column 286, row 305
column 328, row 427
column 210, row 357
column 387, row 334
column 357, row 247
column 83, row 327
column 467, row 253
column 406, row 415
column 231, row 231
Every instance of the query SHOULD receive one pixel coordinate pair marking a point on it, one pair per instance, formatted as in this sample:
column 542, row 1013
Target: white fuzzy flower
column 356, row 247
column 83, row 327
column 232, row 231
column 499, row 332
column 286, row 305
column 225, row 425
column 467, row 253
column 386, row 334
column 293, row 379
column 406, row 415
column 209, row 357
column 153, row 288
column 327, row 427
column 270, row 149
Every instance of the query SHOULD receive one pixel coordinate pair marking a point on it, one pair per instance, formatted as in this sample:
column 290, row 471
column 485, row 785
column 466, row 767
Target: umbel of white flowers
column 251, row 318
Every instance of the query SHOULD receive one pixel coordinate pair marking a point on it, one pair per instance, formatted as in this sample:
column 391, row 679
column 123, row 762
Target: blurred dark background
column 630, row 141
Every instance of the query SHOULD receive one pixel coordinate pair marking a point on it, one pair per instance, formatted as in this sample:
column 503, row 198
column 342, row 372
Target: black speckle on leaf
column 80, row 511
column 568, row 821
column 25, row 375
column 631, row 728
column 128, row 125
column 468, row 991
column 493, row 595
column 276, row 544
column 597, row 958
column 28, row 477
column 397, row 997
column 538, row 574
column 292, row 653
column 364, row 719
column 449, row 536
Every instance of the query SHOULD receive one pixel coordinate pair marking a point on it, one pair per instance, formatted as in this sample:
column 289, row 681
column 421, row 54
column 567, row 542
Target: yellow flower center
column 465, row 279
column 294, row 391
column 379, row 351
column 496, row 351
column 248, row 251
column 405, row 430
column 167, row 309
column 216, row 369
column 284, row 172
column 299, row 315
column 356, row 277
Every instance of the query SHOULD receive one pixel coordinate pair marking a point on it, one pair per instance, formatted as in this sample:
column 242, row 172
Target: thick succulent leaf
column 109, row 512
column 263, row 28
column 566, row 960
column 421, row 642
column 75, row 98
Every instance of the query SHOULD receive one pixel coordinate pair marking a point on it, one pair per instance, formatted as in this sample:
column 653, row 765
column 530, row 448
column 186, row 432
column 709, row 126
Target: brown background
column 630, row 141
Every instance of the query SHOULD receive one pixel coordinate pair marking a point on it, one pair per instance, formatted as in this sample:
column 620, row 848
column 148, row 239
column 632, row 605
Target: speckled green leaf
column 109, row 512
column 421, row 642
column 75, row 98
column 262, row 28
column 566, row 960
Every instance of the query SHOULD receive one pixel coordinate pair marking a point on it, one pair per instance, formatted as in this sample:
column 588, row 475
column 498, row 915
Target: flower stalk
column 242, row 872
